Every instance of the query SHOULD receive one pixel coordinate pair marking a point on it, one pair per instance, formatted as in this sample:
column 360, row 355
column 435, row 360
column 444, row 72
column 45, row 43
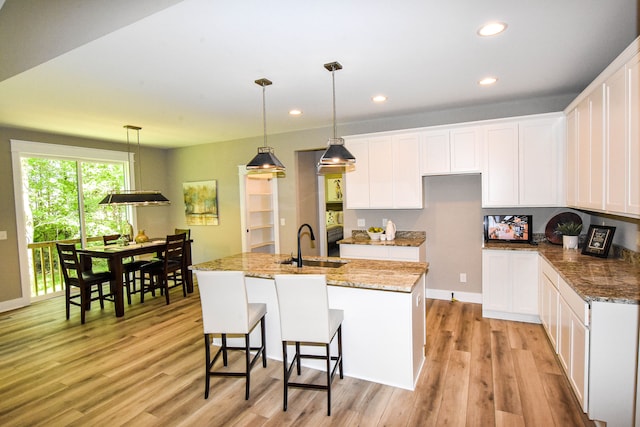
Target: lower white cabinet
column 510, row 285
column 392, row 253
column 549, row 299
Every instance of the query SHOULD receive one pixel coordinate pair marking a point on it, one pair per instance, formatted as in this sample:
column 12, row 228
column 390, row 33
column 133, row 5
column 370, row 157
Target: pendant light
column 265, row 161
column 336, row 158
column 135, row 197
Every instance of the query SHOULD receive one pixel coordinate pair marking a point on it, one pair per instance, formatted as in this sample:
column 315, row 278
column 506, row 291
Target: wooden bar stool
column 305, row 317
column 226, row 310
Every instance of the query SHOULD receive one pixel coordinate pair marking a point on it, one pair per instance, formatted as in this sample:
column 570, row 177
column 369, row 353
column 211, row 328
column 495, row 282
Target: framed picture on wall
column 334, row 190
column 201, row 202
column 599, row 238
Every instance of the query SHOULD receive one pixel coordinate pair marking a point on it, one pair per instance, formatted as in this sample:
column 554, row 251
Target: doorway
column 319, row 203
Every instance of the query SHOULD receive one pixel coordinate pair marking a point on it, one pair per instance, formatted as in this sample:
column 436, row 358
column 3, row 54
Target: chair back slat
column 223, row 297
column 69, row 262
column 304, row 307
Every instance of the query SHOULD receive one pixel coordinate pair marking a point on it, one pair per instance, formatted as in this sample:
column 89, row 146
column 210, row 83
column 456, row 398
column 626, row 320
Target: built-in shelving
column 259, row 222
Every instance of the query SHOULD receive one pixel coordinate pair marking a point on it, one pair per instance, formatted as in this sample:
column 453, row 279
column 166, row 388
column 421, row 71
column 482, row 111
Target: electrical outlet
column 3, row 235
column 463, row 277
column 384, row 222
column 361, row 222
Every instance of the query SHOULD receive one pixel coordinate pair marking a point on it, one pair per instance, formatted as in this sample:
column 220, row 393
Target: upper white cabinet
column 523, row 163
column 451, row 151
column 387, row 174
column 603, row 140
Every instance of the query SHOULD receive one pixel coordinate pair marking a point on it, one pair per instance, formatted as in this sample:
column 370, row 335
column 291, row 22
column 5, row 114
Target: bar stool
column 226, row 310
column 305, row 317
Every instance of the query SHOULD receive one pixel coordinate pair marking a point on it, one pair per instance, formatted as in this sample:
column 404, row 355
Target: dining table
column 116, row 256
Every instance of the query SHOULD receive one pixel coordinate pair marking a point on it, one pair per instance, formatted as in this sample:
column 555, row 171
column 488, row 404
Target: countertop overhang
column 594, row 279
column 394, row 276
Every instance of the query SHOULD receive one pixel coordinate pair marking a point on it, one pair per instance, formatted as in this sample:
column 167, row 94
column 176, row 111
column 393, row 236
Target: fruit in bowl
column 375, row 233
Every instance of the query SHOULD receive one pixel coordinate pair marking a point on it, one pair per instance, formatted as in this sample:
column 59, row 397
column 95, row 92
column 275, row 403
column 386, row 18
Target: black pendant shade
column 265, row 161
column 135, row 198
column 336, row 157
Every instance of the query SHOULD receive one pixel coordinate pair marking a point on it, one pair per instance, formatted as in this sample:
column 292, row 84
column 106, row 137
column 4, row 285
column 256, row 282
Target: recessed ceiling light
column 295, row 112
column 487, row 81
column 492, row 28
column 379, row 98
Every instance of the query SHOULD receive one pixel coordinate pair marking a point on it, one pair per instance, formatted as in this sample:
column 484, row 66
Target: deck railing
column 44, row 269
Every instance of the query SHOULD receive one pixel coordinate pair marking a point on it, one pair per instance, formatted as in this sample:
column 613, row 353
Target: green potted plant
column 570, row 232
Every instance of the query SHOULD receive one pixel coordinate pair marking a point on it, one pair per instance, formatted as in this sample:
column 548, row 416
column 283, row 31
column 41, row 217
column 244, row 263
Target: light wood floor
column 147, row 369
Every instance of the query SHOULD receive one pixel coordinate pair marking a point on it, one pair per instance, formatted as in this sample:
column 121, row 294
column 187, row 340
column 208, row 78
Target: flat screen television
column 508, row 228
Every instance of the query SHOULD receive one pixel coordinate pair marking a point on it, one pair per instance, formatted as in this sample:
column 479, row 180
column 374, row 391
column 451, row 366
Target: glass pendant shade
column 336, row 157
column 135, row 197
column 265, row 161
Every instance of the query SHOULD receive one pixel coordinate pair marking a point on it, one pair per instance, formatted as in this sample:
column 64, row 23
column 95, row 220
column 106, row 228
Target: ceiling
column 184, row 70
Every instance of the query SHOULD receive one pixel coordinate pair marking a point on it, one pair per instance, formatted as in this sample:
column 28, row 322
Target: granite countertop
column 395, row 276
column 594, row 279
column 403, row 238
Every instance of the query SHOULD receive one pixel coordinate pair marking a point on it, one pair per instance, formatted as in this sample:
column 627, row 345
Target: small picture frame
column 599, row 238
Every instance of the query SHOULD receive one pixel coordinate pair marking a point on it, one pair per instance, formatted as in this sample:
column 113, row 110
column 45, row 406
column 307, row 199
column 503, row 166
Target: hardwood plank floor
column 148, row 369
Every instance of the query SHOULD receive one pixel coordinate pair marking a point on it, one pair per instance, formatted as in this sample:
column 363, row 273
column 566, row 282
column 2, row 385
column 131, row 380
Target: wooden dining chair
column 87, row 282
column 129, row 267
column 170, row 267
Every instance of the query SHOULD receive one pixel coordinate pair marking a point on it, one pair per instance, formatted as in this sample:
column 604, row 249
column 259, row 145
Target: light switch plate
column 3, row 235
column 361, row 222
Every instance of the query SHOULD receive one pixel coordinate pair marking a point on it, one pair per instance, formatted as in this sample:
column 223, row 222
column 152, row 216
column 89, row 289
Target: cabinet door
column 465, row 150
column 500, row 172
column 633, row 152
column 524, row 282
column 571, row 175
column 564, row 336
column 357, row 182
column 549, row 310
column 584, row 152
column 540, row 167
column 597, row 158
column 434, row 153
column 496, row 289
column 615, row 142
column 406, row 179
column 381, row 172
column 579, row 360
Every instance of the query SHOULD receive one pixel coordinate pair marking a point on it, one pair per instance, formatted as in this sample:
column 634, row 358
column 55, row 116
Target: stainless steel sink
column 316, row 263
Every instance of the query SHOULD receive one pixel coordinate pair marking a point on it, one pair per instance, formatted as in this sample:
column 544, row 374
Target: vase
column 570, row 242
column 141, row 237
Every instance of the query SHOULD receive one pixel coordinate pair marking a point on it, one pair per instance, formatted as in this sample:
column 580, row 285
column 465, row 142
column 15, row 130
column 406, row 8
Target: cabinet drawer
column 579, row 306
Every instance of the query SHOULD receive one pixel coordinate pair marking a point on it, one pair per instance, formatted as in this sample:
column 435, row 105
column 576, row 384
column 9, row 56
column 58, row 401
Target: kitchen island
column 383, row 331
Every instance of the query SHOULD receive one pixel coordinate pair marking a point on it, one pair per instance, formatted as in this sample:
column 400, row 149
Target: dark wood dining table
column 116, row 254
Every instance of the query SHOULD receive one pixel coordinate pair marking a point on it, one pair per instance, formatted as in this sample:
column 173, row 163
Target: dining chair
column 87, row 282
column 129, row 266
column 305, row 318
column 226, row 310
column 170, row 266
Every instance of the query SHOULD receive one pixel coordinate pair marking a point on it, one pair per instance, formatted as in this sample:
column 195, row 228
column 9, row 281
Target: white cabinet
column 573, row 346
column 392, row 253
column 523, row 163
column 603, row 140
column 510, row 285
column 549, row 299
column 387, row 174
column 451, row 151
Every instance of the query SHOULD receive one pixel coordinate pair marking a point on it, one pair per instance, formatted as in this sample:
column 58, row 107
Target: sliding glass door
column 58, row 200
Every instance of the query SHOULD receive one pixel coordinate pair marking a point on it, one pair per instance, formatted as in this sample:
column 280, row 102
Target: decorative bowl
column 374, row 236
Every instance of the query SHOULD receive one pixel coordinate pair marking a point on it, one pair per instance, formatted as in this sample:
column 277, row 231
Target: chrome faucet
column 299, row 259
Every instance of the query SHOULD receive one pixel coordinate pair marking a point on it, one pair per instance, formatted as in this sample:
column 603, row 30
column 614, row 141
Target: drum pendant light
column 336, row 158
column 265, row 161
column 135, row 197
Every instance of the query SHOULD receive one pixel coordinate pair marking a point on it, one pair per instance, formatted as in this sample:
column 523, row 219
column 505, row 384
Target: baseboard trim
column 444, row 294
